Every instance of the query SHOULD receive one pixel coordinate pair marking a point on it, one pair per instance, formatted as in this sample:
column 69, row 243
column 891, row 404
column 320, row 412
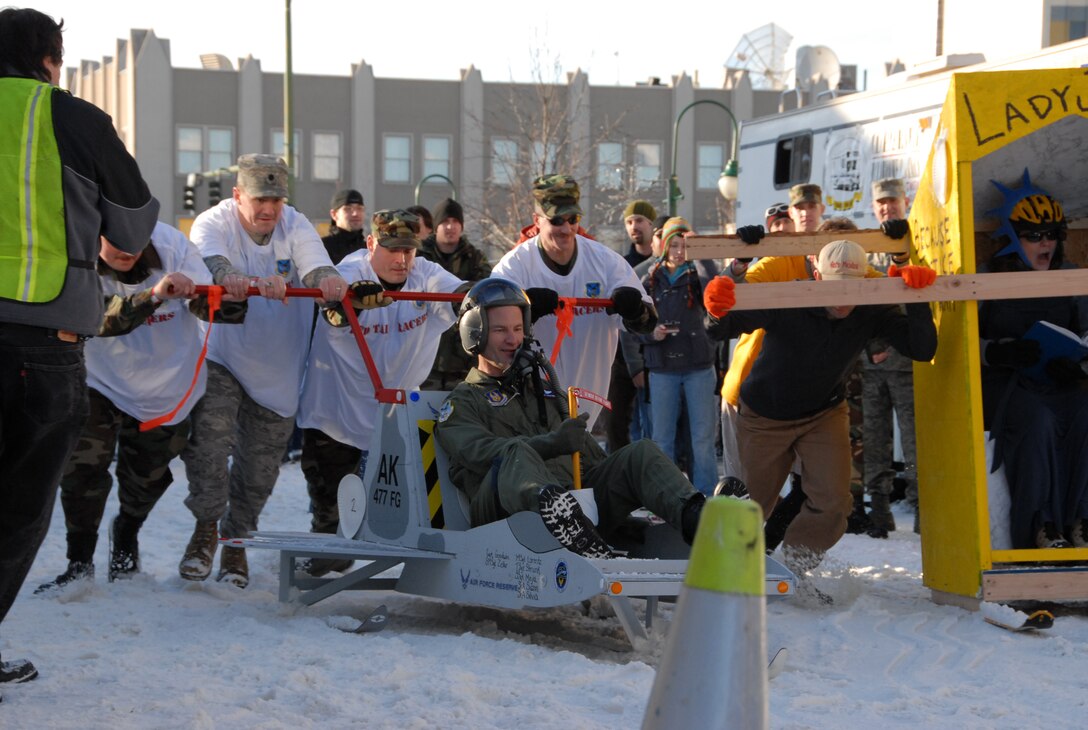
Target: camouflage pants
column 857, row 433
column 325, row 461
column 233, row 456
column 884, row 390
column 143, row 471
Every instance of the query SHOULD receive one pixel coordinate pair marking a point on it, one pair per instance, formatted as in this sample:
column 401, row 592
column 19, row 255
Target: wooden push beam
column 952, row 288
column 790, row 244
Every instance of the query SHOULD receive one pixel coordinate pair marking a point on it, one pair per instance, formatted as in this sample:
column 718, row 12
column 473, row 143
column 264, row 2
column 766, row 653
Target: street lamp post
column 727, row 183
column 419, row 185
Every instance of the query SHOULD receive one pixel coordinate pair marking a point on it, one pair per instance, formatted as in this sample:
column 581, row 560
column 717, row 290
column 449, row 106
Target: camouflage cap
column 556, row 195
column 806, row 193
column 262, row 176
column 395, row 229
column 889, row 187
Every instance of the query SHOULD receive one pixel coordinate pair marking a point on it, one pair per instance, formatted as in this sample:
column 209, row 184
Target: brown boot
column 196, row 564
column 233, row 567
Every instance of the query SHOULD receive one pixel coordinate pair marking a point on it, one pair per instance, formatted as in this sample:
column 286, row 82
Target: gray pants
column 229, row 425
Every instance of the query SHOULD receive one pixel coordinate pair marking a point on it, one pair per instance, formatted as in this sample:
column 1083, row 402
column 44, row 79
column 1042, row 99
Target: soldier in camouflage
column 139, row 367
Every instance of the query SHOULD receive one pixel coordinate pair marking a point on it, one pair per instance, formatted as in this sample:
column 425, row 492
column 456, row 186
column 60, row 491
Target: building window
column 504, row 161
column 711, row 161
column 545, row 156
column 220, row 148
column 436, row 157
column 202, row 149
column 326, row 156
column 647, row 164
column 398, row 158
column 190, row 150
column 1068, row 22
column 610, row 165
column 278, row 149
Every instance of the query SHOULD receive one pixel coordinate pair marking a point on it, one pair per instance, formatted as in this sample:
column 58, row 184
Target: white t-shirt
column 267, row 353
column 146, row 372
column 338, row 395
column 585, row 357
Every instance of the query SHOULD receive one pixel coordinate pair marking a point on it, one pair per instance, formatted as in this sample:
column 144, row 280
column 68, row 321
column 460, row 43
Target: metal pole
column 674, row 184
column 419, row 185
column 288, row 114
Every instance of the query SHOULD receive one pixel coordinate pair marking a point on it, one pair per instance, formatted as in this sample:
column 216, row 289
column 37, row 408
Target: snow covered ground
column 161, row 652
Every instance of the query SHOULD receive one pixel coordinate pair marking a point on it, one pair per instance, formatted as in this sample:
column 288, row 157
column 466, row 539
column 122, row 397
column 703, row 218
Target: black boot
column 77, row 570
column 783, row 514
column 689, row 516
column 858, row 522
column 124, row 547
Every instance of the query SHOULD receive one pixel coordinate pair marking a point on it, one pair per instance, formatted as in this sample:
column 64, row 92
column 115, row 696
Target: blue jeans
column 43, row 404
column 642, row 424
column 697, row 387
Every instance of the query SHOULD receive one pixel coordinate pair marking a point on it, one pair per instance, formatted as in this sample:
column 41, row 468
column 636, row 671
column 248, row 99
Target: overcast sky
column 613, row 43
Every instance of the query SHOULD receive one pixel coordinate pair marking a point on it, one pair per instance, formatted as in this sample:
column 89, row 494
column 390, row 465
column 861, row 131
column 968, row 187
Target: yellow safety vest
column 33, row 241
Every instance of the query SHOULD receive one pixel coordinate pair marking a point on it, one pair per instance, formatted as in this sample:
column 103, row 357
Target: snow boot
column 77, row 570
column 233, row 567
column 124, row 547
column 693, row 510
column 880, row 517
column 564, row 518
column 857, row 522
column 196, row 564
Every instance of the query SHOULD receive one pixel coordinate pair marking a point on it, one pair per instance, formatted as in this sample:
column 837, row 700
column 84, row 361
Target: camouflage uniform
column 884, row 387
column 143, row 471
column 467, row 262
column 491, row 431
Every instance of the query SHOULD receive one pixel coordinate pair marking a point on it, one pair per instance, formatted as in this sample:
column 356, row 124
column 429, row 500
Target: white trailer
column 845, row 143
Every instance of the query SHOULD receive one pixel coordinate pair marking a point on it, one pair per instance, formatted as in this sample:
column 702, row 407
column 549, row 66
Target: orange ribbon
column 215, row 298
column 564, row 318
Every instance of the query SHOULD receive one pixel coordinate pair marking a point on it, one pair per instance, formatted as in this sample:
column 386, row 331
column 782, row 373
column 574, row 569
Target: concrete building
column 383, row 136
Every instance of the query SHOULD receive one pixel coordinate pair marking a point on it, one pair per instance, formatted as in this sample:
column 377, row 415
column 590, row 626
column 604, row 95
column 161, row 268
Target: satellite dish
column 762, row 53
column 816, row 64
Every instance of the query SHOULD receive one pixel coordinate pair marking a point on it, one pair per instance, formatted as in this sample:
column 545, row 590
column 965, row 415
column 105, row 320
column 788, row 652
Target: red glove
column 719, row 296
column 916, row 277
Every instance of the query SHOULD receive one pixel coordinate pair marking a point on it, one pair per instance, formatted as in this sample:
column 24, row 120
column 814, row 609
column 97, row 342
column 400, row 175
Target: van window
column 792, row 160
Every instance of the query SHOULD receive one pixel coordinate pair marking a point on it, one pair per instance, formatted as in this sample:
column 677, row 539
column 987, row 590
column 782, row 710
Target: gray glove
column 566, row 439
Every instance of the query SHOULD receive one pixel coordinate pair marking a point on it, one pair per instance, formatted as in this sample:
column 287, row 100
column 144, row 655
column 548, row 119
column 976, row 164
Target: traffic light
column 214, row 192
column 191, row 182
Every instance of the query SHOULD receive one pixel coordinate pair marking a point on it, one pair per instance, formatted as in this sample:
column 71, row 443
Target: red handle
column 414, row 296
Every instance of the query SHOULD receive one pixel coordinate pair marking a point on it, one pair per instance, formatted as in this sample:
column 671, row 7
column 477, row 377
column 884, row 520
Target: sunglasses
column 780, row 209
column 1053, row 234
column 559, row 220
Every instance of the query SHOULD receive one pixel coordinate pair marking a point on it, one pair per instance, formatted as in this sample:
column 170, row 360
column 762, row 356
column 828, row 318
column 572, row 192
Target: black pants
column 43, row 403
column 325, row 461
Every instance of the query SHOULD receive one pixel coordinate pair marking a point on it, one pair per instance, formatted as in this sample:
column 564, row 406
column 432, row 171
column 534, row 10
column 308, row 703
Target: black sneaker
column 564, row 518
column 77, row 570
column 317, row 567
column 124, row 549
column 782, row 515
column 20, row 670
column 731, row 487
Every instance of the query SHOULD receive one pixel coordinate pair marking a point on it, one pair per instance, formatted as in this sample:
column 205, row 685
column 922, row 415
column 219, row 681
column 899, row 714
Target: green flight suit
column 501, row 455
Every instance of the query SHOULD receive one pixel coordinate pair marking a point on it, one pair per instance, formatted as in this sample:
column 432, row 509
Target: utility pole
column 288, row 115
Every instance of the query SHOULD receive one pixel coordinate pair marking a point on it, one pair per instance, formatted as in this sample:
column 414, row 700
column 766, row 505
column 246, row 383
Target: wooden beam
column 790, row 244
column 1039, row 585
column 952, row 288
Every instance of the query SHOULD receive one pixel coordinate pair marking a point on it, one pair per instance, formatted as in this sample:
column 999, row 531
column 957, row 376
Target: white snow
column 161, row 652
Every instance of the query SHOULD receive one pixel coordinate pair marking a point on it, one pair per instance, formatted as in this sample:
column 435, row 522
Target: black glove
column 1065, row 371
column 896, row 228
column 751, row 234
column 626, row 302
column 369, row 295
column 1013, row 353
column 542, row 302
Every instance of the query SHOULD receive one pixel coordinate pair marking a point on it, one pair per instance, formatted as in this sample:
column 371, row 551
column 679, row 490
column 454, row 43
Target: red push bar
column 414, row 296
